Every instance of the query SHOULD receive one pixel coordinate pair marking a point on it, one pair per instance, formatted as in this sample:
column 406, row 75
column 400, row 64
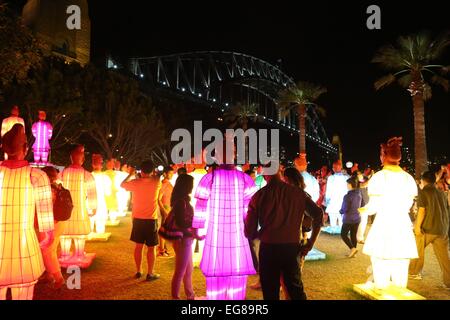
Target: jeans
column 183, row 268
column 353, row 229
column 277, row 260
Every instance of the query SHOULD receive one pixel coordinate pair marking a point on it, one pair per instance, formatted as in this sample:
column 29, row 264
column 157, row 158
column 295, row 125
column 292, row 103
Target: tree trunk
column 420, row 144
column 302, row 127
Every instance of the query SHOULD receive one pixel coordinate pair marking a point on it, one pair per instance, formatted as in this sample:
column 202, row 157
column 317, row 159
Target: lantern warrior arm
column 91, row 195
column 201, row 207
column 44, row 205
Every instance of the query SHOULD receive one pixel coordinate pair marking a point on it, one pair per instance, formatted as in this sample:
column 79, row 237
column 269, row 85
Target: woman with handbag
column 180, row 217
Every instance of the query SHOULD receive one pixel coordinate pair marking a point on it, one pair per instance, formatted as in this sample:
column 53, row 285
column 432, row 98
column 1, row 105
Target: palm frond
column 384, row 81
column 436, row 79
column 405, row 81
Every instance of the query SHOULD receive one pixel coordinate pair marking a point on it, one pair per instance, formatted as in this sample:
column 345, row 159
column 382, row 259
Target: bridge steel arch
column 222, row 78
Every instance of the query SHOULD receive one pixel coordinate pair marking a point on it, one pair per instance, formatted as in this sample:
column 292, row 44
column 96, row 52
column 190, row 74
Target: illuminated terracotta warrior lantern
column 390, row 242
column 81, row 185
column 25, row 193
column 312, row 186
column 335, row 191
column 222, row 199
column 103, row 187
column 111, row 200
column 42, row 131
column 9, row 122
column 122, row 195
column 198, row 173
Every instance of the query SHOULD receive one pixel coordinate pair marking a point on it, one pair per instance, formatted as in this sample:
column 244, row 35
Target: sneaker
column 138, row 275
column 415, row 276
column 153, row 276
column 353, row 253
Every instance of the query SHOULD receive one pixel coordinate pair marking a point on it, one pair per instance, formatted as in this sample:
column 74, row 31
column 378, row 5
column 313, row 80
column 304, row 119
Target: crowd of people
column 226, row 210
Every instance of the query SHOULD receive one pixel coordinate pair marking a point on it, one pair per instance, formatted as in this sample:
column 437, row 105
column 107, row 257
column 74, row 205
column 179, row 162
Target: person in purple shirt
column 352, row 201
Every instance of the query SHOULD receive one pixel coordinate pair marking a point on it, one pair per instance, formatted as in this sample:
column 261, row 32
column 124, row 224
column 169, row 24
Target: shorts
column 145, row 231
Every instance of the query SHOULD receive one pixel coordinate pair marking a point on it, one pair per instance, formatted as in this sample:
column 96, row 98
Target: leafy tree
column 299, row 97
column 118, row 117
column 19, row 50
column 412, row 61
column 240, row 114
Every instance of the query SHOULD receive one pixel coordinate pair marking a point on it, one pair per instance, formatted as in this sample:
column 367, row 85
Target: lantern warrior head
column 117, row 164
column 15, row 142
column 391, row 153
column 42, row 115
column 300, row 162
column 110, row 164
column 97, row 162
column 15, row 111
column 77, row 155
column 337, row 166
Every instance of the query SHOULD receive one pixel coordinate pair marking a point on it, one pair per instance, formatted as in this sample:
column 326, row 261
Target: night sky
column 318, row 41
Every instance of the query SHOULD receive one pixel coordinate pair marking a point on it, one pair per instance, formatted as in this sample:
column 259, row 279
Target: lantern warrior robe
column 24, row 191
column 392, row 192
column 82, row 187
column 103, row 189
column 335, row 192
column 222, row 198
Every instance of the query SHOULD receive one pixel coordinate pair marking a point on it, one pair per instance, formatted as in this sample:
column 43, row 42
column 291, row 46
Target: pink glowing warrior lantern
column 42, row 131
column 25, row 193
column 81, row 185
column 222, row 199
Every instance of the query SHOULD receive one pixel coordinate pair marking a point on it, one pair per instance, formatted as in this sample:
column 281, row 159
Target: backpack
column 63, row 205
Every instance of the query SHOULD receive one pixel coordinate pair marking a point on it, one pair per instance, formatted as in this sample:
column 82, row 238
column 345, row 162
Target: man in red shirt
column 145, row 191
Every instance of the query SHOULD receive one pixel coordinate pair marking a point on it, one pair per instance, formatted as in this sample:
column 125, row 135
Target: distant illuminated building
column 47, row 19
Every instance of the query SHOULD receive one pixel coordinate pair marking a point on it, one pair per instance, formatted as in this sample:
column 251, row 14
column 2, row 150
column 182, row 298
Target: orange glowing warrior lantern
column 81, row 185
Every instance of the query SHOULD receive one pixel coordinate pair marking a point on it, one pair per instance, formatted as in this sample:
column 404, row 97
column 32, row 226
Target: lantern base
column 82, row 262
column 98, row 237
column 332, row 230
column 392, row 292
column 315, row 254
column 40, row 165
column 114, row 223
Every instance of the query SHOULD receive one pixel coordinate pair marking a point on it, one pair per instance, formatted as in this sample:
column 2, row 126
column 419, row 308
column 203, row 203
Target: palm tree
column 240, row 114
column 299, row 97
column 412, row 60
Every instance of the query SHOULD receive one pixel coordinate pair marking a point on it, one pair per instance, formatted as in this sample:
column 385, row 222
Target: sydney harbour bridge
column 220, row 79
